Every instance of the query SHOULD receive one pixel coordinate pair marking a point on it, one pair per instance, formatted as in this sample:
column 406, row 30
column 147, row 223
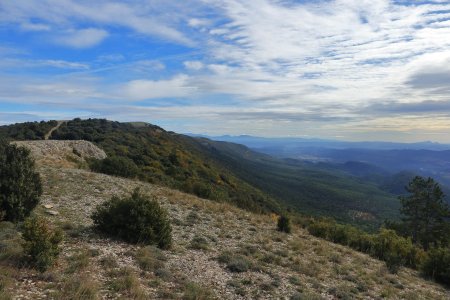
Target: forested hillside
column 155, row 155
column 226, row 172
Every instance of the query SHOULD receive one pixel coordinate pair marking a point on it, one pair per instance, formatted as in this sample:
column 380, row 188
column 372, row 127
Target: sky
column 339, row 69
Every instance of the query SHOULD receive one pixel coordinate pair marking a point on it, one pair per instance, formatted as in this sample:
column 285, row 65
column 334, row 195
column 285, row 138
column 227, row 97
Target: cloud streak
column 83, row 38
column 305, row 67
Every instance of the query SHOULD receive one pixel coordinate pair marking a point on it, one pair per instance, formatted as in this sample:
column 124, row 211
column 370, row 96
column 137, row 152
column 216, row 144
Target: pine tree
column 425, row 214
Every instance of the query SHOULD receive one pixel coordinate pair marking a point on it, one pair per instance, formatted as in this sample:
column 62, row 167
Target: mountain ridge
column 231, row 172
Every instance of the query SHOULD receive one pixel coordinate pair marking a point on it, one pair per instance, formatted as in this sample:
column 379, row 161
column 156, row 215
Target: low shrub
column 126, row 282
column 235, row 263
column 199, row 243
column 193, row 291
column 78, row 287
column 135, row 219
column 385, row 245
column 11, row 252
column 116, row 166
column 150, row 258
column 437, row 265
column 284, row 224
column 41, row 242
column 7, row 281
column 78, row 261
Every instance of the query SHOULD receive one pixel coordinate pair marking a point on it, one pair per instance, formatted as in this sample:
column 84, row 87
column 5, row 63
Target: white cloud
column 195, row 22
column 34, row 27
column 13, row 63
column 83, row 38
column 323, row 52
column 193, row 65
column 142, row 89
column 150, row 19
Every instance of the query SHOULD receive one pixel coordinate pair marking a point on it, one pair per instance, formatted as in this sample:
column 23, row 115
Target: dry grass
column 257, row 261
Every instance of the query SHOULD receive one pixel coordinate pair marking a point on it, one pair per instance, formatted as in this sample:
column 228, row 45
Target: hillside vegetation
column 162, row 157
column 227, row 172
column 309, row 188
column 218, row 252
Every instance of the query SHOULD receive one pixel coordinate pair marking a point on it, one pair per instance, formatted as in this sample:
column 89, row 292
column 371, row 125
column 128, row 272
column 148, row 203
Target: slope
column 233, row 173
column 271, row 264
column 306, row 187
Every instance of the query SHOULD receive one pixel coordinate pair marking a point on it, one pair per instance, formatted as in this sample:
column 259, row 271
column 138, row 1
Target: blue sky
column 343, row 69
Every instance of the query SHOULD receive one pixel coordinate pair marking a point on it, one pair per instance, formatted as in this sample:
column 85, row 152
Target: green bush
column 41, row 242
column 235, row 263
column 150, row 258
column 115, row 165
column 385, row 245
column 199, row 243
column 320, row 229
column 284, row 224
column 193, row 291
column 437, row 265
column 11, row 252
column 135, row 219
column 20, row 184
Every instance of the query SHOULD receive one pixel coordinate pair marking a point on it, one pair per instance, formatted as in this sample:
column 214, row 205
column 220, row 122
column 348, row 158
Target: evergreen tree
column 20, row 184
column 425, row 214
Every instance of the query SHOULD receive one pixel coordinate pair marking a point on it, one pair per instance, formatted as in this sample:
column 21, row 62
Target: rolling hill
column 228, row 172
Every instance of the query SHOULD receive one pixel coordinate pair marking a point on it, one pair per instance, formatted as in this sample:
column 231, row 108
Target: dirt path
column 48, row 134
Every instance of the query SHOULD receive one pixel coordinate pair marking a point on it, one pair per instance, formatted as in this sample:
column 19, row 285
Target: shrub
column 7, row 275
column 11, row 252
column 126, row 282
column 284, row 224
column 135, row 219
column 386, row 245
column 199, row 243
column 235, row 263
column 78, row 287
column 320, row 229
column 395, row 250
column 115, row 165
column 193, row 291
column 41, row 242
column 20, row 184
column 78, row 261
column 150, row 258
column 437, row 265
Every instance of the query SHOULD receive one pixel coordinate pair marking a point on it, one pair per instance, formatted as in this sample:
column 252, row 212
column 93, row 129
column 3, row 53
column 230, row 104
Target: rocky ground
column 219, row 252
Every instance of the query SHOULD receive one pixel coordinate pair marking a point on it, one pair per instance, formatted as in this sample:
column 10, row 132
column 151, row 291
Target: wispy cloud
column 340, row 67
column 83, row 38
column 140, row 16
column 148, row 89
column 14, row 63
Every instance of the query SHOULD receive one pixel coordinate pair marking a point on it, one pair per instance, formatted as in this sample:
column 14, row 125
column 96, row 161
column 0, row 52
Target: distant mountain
column 377, row 162
column 285, row 145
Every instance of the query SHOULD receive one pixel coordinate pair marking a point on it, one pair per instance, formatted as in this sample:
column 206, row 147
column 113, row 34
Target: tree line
column 420, row 239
